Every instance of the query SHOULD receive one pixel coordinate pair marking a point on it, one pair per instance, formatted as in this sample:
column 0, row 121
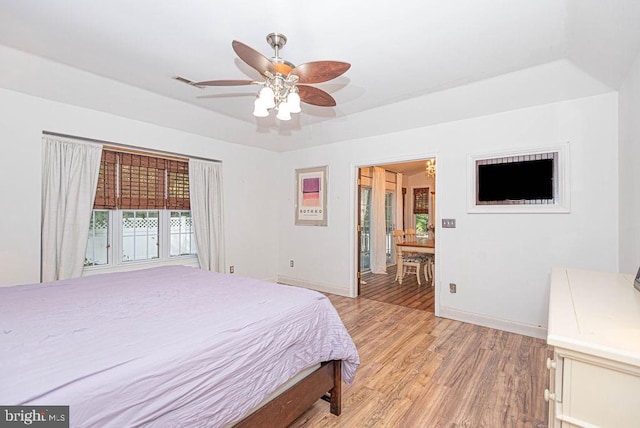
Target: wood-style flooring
column 421, row 371
column 384, row 288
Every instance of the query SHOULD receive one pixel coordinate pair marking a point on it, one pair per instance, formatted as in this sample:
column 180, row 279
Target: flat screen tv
column 519, row 181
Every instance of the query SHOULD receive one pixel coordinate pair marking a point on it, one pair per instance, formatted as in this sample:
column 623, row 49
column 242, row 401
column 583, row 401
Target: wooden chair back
column 398, row 236
column 410, row 235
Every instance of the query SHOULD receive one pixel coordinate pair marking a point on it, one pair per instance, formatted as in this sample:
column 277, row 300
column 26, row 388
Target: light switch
column 448, row 222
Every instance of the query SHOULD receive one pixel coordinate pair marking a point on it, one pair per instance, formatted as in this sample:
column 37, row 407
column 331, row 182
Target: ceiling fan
column 285, row 85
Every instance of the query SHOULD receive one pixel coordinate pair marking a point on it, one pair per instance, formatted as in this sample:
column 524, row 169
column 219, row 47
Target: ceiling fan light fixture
column 267, row 97
column 259, row 108
column 293, row 100
column 285, row 85
column 283, row 111
column 430, row 168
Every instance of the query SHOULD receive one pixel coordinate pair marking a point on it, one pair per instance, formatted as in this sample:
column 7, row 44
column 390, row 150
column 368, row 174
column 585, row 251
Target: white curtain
column 69, row 179
column 205, row 190
column 378, row 227
column 399, row 205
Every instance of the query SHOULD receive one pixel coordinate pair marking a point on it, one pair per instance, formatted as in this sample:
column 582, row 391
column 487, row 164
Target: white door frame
column 355, row 213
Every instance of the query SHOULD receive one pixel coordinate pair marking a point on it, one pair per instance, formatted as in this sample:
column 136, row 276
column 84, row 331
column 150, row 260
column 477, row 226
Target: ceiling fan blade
column 253, row 58
column 225, row 83
column 315, row 96
column 319, row 71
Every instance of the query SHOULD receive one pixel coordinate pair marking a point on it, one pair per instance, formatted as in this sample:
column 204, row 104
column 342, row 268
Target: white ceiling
column 407, row 168
column 399, row 50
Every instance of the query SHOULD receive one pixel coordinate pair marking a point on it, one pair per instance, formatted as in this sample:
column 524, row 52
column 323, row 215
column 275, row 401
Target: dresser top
column 596, row 313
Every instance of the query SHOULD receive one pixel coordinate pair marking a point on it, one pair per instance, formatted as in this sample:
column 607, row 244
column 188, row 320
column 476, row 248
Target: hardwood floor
column 421, row 371
column 384, row 288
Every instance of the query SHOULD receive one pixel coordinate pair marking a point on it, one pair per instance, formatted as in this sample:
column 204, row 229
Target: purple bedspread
column 169, row 346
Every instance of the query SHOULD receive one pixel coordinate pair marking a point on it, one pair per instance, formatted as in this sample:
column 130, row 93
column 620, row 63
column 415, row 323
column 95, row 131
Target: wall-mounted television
column 527, row 181
column 512, row 182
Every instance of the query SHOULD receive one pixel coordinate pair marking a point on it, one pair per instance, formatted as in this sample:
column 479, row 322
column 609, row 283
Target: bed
column 170, row 346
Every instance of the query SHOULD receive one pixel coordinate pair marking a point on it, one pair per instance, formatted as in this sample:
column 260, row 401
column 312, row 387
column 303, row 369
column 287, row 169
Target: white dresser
column 594, row 327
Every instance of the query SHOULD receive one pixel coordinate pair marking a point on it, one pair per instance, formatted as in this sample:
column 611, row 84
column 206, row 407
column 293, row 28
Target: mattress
column 167, row 346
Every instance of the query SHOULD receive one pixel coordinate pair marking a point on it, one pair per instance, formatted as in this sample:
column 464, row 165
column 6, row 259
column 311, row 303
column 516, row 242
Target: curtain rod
column 110, row 143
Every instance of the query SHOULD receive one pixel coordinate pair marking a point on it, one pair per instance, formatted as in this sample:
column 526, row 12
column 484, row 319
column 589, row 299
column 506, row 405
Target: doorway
column 403, row 181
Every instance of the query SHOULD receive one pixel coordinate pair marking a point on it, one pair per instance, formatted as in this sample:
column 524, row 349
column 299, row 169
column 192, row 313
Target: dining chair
column 426, row 259
column 410, row 263
column 429, row 267
column 410, row 235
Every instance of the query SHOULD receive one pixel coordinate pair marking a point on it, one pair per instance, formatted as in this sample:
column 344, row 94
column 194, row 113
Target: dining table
column 419, row 245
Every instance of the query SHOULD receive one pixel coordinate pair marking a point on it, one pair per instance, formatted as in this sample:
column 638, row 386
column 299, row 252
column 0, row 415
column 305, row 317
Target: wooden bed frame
column 288, row 406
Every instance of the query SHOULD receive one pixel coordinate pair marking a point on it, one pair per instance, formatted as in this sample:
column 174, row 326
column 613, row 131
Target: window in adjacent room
column 421, row 209
column 141, row 210
column 365, row 216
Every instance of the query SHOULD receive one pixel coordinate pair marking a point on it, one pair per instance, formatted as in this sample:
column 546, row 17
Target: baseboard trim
column 497, row 323
column 317, row 286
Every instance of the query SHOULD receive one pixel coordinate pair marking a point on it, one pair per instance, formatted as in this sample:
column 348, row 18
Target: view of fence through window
column 97, row 246
column 181, row 231
column 141, row 232
column 140, row 235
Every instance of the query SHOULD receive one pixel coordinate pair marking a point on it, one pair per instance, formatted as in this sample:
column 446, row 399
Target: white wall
column 629, row 171
column 249, row 175
column 500, row 262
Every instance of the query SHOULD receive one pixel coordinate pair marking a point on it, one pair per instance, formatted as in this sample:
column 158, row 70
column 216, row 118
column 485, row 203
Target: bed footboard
column 285, row 408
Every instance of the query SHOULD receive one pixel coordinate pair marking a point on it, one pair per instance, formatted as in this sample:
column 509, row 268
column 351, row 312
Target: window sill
column 190, row 260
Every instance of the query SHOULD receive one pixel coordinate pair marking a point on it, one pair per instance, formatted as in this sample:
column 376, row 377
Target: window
column 389, row 214
column 140, row 235
column 421, row 200
column 366, row 175
column 98, row 244
column 422, row 224
column 181, row 232
column 141, row 210
column 421, row 209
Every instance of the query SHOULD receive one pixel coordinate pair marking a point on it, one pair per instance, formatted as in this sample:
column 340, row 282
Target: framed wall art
column 311, row 196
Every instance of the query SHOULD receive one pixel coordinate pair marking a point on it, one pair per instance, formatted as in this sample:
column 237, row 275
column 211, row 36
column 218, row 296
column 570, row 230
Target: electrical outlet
column 290, row 263
column 231, row 269
column 452, row 287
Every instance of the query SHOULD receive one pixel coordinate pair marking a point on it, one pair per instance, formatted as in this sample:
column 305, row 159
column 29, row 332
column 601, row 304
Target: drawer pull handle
column 551, row 364
column 549, row 395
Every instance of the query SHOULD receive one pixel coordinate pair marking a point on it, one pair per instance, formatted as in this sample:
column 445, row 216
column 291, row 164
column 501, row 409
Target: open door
column 359, row 230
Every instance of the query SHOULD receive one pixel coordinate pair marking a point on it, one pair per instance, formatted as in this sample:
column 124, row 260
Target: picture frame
column 311, row 196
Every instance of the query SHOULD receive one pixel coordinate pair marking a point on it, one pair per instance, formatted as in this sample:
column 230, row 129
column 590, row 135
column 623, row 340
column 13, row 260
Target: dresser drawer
column 602, row 396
